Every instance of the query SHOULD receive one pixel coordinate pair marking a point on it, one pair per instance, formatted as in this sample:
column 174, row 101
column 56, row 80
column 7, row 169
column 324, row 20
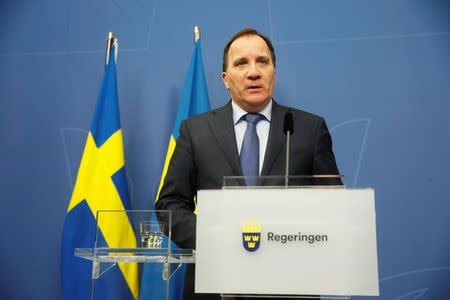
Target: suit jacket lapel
column 221, row 122
column 276, row 140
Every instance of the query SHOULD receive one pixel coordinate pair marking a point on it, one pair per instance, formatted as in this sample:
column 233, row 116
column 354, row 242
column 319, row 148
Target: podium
column 265, row 241
column 285, row 241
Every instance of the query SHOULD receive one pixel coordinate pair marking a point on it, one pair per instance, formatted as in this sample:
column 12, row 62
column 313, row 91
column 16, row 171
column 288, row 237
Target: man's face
column 250, row 74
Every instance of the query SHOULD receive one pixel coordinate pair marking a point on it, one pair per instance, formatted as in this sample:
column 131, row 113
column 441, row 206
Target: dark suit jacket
column 206, row 151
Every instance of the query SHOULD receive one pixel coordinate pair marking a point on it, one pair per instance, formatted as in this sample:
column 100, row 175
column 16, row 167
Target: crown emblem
column 251, row 235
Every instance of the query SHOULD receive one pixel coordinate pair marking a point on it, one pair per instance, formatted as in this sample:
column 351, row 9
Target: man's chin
column 256, row 104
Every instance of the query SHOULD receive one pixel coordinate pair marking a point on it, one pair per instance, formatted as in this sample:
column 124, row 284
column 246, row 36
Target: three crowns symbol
column 251, row 235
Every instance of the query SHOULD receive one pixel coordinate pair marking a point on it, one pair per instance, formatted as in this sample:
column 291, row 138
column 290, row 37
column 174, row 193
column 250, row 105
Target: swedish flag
column 194, row 100
column 100, row 185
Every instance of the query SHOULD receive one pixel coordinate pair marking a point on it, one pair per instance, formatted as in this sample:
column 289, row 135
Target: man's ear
column 225, row 80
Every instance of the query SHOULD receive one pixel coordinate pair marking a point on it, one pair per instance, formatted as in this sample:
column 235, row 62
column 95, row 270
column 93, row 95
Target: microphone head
column 288, row 123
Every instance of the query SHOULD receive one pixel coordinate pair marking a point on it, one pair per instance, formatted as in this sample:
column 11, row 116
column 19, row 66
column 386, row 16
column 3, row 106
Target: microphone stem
column 286, row 178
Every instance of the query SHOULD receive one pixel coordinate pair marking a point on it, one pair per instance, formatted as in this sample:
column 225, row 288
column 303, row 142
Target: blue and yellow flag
column 100, row 185
column 194, row 100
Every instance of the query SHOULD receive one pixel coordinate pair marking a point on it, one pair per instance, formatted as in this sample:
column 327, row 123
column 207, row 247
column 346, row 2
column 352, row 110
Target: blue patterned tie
column 249, row 156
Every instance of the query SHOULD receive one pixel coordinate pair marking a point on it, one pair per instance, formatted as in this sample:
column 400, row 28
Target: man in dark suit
column 210, row 145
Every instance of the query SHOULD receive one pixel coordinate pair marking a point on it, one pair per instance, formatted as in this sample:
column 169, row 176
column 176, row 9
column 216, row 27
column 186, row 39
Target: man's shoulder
column 299, row 114
column 226, row 111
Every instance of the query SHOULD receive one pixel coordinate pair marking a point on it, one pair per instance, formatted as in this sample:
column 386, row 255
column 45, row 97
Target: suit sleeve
column 324, row 162
column 178, row 191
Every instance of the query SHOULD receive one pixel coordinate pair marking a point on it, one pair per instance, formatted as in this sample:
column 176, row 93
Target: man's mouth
column 254, row 88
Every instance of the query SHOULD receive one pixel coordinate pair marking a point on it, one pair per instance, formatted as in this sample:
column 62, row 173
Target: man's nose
column 253, row 72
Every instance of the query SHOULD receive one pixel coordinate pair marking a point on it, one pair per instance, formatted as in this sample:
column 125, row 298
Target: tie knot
column 253, row 118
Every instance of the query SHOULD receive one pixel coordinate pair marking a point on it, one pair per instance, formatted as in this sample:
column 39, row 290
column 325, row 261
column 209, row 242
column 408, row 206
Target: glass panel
column 334, row 181
column 125, row 240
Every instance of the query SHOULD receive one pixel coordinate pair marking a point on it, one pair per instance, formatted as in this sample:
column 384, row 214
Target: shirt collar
column 238, row 112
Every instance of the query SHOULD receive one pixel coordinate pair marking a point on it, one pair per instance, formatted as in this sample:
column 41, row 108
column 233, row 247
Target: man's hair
column 244, row 32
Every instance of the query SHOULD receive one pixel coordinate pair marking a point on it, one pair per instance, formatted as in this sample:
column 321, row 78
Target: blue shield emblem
column 251, row 236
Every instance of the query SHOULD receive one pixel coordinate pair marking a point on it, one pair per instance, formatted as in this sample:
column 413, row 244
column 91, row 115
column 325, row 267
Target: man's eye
column 263, row 61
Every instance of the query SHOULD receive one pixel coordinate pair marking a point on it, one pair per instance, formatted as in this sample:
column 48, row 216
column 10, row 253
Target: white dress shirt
column 262, row 128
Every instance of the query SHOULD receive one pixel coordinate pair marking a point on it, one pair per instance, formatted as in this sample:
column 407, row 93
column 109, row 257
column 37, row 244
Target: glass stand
column 126, row 242
column 104, row 259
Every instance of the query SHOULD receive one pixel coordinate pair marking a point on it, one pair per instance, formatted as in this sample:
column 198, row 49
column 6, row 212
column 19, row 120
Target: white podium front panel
column 286, row 241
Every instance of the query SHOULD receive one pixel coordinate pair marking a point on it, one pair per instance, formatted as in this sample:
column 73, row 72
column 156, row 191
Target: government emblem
column 251, row 235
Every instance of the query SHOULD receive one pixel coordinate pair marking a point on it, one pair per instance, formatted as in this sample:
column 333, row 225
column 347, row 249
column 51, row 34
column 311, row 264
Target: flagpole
column 109, row 43
column 196, row 34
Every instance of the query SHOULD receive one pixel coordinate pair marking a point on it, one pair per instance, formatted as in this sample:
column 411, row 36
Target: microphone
column 288, row 126
column 288, row 129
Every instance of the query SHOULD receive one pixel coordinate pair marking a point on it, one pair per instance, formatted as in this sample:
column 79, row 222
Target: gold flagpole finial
column 109, row 43
column 196, row 33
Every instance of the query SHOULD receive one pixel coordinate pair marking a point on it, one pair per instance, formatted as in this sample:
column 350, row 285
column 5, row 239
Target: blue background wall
column 378, row 71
